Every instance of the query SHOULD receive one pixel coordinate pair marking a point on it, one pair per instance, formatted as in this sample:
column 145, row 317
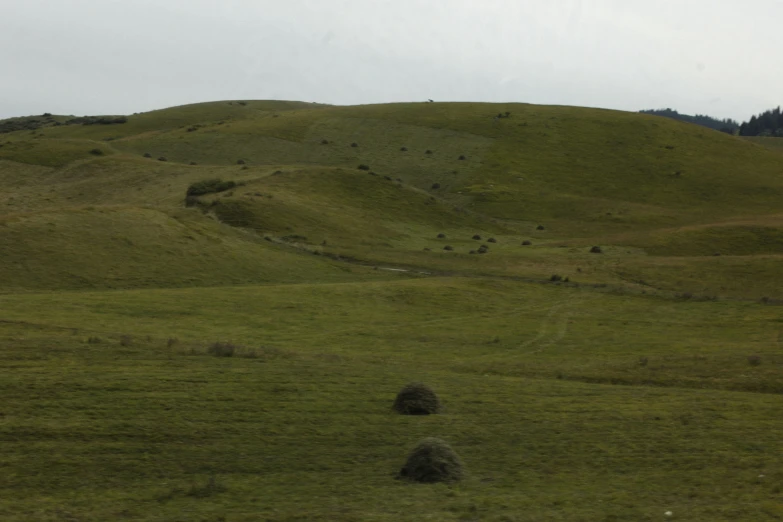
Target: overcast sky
column 716, row 57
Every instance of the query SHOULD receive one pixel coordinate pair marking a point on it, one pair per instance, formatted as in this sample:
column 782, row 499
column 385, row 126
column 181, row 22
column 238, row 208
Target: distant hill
column 728, row 125
column 768, row 123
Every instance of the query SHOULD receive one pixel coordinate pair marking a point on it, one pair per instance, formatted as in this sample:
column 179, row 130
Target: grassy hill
column 352, row 250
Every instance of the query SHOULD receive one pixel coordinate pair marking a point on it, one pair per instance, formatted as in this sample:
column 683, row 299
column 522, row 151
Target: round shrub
column 354, row 144
column 363, row 167
column 324, row 142
column 435, row 186
column 96, row 152
column 448, row 247
column 540, row 227
column 417, row 398
column 483, row 249
column 477, row 237
column 147, row 155
column 462, row 158
column 527, row 242
column 162, row 158
column 441, row 236
column 404, row 149
column 492, row 240
column 428, row 151
column 432, row 460
column 193, row 163
column 240, row 162
column 596, row 250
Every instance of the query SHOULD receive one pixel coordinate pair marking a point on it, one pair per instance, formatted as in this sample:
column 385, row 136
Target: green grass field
column 650, row 381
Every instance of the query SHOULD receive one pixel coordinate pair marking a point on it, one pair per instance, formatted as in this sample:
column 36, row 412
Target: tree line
column 728, row 125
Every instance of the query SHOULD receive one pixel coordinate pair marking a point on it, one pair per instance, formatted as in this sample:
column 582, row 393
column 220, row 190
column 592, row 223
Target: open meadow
column 206, row 313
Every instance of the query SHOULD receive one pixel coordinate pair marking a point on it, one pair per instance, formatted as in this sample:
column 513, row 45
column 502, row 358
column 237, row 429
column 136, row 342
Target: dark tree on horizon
column 728, row 125
column 768, row 123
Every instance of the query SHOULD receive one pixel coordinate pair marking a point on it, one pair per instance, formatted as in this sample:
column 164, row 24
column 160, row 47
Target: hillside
column 206, row 312
column 624, row 181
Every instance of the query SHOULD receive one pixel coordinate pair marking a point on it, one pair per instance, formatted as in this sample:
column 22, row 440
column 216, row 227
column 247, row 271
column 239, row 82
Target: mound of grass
column 432, row 460
column 417, row 399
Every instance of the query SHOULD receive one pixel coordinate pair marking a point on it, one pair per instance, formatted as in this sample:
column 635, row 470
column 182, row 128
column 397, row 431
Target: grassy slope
column 303, row 429
column 586, row 401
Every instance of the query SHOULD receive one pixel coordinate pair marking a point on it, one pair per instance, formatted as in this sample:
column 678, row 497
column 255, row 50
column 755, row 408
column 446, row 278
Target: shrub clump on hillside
column 417, row 398
column 596, row 250
column 147, row 155
column 96, row 152
column 448, row 248
column 240, row 162
column 363, row 167
column 435, row 186
column 403, row 149
column 441, row 236
column 483, row 249
column 540, row 227
column 477, row 237
column 492, row 240
column 432, row 460
column 527, row 242
column 209, row 186
column 462, row 158
column 221, row 349
column 354, row 144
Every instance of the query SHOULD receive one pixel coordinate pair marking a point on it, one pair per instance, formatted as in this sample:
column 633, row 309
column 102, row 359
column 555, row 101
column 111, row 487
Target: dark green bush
column 209, row 186
column 96, row 152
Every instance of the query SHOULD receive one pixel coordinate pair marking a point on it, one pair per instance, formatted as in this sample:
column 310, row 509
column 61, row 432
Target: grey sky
column 716, row 57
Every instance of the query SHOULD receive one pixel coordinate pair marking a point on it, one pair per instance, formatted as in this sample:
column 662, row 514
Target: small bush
column 96, row 152
column 209, row 186
column 432, row 460
column 448, row 247
column 428, row 151
column 596, row 250
column 556, row 278
column 441, row 236
column 540, row 227
column 435, row 186
column 404, row 149
column 193, row 163
column 473, row 252
column 462, row 158
column 221, row 349
column 527, row 242
column 240, row 162
column 417, row 398
column 387, row 178
column 162, row 158
column 754, row 360
column 363, row 167
column 492, row 240
column 477, row 237
column 147, row 155
column 483, row 249
column 324, row 142
column 354, row 144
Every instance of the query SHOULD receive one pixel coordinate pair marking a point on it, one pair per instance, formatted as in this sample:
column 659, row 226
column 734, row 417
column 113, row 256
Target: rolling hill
column 206, row 312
